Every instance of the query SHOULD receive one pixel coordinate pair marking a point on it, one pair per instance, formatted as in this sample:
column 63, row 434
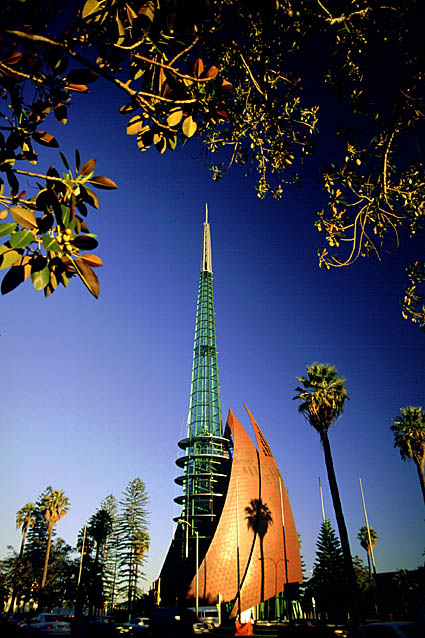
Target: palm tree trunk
column 46, row 559
column 345, row 544
column 369, row 564
column 262, row 568
column 421, row 474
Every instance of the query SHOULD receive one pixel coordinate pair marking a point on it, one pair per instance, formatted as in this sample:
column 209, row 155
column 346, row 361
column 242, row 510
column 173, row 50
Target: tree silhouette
column 323, row 395
column 409, row 437
column 54, row 506
column 259, row 518
column 363, row 538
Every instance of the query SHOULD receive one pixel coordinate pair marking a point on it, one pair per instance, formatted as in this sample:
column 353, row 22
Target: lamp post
column 183, row 522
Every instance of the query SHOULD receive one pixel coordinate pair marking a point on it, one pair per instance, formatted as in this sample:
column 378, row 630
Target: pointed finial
column 206, row 251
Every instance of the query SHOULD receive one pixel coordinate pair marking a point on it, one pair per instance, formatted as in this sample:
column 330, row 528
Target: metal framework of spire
column 205, row 450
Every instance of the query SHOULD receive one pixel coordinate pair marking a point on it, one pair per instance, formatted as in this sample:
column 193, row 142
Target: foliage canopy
column 246, row 80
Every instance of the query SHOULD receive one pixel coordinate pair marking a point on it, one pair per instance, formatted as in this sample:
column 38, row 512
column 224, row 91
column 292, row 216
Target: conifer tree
column 132, row 522
column 109, row 556
column 328, row 584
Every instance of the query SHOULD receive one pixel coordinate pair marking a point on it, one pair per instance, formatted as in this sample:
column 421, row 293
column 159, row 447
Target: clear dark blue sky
column 96, row 393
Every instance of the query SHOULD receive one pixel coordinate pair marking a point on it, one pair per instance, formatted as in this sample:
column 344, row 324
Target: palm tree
column 259, row 518
column 368, row 539
column 24, row 518
column 54, row 506
column 323, row 395
column 409, row 437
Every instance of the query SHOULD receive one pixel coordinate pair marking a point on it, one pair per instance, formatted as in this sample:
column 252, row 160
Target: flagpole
column 368, row 528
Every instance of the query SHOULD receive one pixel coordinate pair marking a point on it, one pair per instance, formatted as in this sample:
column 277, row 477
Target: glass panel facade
column 205, row 450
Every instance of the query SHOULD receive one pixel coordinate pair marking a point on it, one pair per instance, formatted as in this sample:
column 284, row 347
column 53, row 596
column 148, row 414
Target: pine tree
column 109, row 557
column 132, row 523
column 328, row 584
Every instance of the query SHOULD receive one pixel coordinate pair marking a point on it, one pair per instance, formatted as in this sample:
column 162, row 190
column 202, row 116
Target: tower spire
column 205, row 449
column 206, row 250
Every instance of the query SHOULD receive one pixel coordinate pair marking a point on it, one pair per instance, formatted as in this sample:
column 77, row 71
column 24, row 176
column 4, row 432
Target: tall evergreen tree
column 328, row 584
column 110, row 555
column 132, row 521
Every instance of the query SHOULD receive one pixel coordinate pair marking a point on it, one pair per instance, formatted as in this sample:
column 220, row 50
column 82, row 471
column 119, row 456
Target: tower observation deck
column 206, row 456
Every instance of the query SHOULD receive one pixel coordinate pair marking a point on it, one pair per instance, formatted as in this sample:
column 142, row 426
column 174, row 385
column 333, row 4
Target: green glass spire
column 206, row 451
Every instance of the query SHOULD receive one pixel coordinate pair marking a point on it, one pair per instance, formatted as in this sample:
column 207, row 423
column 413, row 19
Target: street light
column 183, row 522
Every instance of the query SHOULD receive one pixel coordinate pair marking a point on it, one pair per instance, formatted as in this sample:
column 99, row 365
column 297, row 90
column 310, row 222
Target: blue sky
column 96, row 393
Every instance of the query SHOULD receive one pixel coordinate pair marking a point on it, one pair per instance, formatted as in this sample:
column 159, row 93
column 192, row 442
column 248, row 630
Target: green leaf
column 24, row 216
column 189, row 126
column 50, row 243
column 40, row 278
column 9, row 258
column 21, row 239
column 7, row 228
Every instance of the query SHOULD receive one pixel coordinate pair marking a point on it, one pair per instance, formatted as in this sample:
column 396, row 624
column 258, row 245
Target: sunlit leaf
column 78, row 88
column 21, row 239
column 189, row 126
column 226, row 85
column 9, row 258
column 88, row 167
column 172, row 142
column 7, row 228
column 103, row 182
column 91, row 6
column 135, row 125
column 148, row 10
column 13, row 58
column 212, row 72
column 4, row 213
column 40, row 278
column 174, row 117
column 92, row 260
column 199, row 67
column 24, row 217
column 88, row 276
column 45, row 139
